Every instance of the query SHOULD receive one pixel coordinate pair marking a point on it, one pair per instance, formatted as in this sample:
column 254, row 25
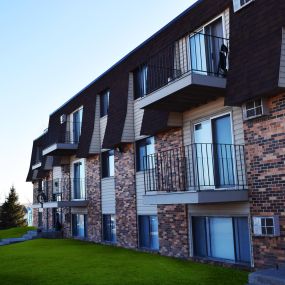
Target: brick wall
column 66, row 212
column 125, row 192
column 172, row 219
column 265, row 156
column 93, row 175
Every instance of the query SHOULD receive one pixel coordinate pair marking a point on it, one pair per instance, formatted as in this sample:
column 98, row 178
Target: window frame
column 263, row 106
column 150, row 234
column 104, row 103
column 143, row 144
column 238, row 5
column 236, row 241
column 257, row 226
column 140, row 76
column 111, row 228
column 106, row 162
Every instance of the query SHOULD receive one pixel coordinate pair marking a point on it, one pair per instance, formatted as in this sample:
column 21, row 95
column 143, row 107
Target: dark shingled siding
column 255, row 45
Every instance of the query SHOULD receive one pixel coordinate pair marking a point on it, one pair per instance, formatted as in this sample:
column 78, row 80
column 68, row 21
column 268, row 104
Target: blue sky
column 50, row 50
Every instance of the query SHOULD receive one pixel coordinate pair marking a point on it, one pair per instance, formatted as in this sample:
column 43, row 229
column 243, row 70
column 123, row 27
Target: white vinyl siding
column 103, row 124
column 128, row 131
column 56, row 173
column 108, row 196
column 211, row 109
column 143, row 209
column 95, row 145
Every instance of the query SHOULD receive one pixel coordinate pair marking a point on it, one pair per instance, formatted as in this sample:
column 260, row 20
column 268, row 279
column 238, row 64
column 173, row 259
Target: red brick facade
column 125, row 192
column 265, row 155
column 93, row 178
column 172, row 219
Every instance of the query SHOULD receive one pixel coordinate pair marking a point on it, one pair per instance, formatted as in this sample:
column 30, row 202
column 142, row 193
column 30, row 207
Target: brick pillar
column 265, row 156
column 66, row 192
column 93, row 175
column 35, row 201
column 125, row 192
column 172, row 219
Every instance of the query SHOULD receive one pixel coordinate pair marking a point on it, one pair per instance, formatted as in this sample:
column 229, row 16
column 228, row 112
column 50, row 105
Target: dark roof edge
column 131, row 52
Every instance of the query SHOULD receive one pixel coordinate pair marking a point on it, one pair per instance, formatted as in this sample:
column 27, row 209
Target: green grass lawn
column 14, row 232
column 71, row 262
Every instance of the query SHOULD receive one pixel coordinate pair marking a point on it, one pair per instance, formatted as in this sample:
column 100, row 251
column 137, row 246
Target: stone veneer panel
column 125, row 192
column 172, row 219
column 265, row 156
column 93, row 175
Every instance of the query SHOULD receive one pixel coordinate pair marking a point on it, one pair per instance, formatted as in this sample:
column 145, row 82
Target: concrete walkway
column 267, row 277
column 28, row 236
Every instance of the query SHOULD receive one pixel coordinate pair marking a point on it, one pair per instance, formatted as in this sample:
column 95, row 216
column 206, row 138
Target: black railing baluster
column 174, row 170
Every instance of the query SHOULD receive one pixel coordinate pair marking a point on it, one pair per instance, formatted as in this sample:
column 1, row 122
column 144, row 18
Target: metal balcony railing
column 70, row 133
column 69, row 189
column 196, row 167
column 197, row 53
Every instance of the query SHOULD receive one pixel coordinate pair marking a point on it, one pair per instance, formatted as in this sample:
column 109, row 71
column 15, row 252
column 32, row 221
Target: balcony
column 65, row 142
column 188, row 73
column 60, row 193
column 194, row 174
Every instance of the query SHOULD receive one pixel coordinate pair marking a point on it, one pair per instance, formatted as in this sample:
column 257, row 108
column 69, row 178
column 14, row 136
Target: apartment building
column 179, row 147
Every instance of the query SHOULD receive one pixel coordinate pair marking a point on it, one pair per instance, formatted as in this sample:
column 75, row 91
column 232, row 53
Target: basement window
column 266, row 226
column 239, row 4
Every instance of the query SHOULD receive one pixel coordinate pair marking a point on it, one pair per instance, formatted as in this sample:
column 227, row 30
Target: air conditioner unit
column 266, row 226
column 63, row 119
column 255, row 108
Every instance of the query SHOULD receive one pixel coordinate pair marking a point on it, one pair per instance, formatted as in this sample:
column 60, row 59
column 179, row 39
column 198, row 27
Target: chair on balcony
column 222, row 67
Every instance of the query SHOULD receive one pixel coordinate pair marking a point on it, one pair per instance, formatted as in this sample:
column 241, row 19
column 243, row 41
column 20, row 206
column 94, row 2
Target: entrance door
column 213, row 152
column 223, row 151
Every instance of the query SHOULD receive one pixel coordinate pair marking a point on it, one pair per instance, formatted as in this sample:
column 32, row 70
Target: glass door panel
column 76, row 125
column 223, row 152
column 222, row 238
column 198, row 53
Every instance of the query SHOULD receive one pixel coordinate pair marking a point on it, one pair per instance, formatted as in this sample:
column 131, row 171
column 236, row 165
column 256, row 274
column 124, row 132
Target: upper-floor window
column 144, row 148
column 108, row 164
column 238, row 4
column 104, row 103
column 140, row 81
column 76, row 124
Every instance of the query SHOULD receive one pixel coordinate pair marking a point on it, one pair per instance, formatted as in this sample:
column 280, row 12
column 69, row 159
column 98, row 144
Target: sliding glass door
column 214, row 153
column 78, row 181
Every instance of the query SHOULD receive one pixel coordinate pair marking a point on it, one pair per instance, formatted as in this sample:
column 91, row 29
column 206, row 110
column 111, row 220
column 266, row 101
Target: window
column 140, row 81
column 78, row 181
column 238, row 4
column 79, row 228
column 266, row 226
column 221, row 238
column 109, row 228
column 108, row 164
column 148, row 232
column 76, row 125
column 145, row 147
column 104, row 103
column 254, row 108
column 40, row 219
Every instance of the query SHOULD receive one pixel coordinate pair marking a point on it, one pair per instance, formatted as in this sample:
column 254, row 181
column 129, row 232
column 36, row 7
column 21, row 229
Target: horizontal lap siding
column 138, row 117
column 142, row 208
column 103, row 124
column 108, row 196
column 128, row 132
column 95, row 145
column 206, row 111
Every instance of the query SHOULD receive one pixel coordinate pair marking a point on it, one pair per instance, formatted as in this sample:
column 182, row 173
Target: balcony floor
column 195, row 197
column 188, row 91
column 61, row 149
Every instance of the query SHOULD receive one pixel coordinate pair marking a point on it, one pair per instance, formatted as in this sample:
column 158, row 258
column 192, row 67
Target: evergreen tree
column 12, row 212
